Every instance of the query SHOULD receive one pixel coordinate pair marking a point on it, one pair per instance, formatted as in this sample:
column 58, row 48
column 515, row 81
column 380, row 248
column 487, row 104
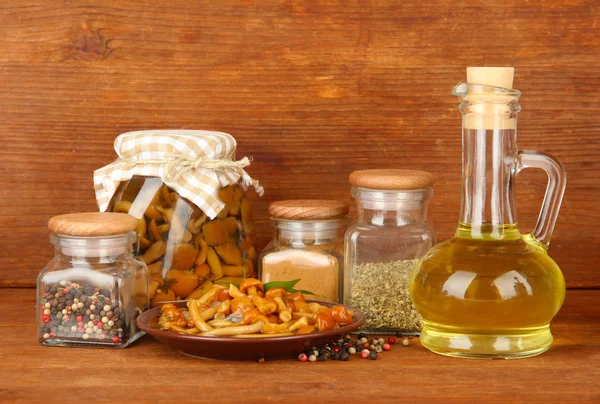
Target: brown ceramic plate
column 228, row 348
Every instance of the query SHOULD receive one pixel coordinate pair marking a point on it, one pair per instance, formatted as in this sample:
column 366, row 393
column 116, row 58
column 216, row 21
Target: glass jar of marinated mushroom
column 382, row 247
column 92, row 291
column 193, row 205
column 307, row 245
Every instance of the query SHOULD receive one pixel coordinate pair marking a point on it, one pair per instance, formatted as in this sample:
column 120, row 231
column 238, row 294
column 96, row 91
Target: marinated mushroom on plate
column 250, row 311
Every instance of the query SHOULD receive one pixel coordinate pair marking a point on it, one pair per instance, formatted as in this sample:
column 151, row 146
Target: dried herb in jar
column 381, row 291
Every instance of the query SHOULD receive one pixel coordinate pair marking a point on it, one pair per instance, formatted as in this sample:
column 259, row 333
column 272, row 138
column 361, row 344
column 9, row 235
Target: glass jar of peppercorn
column 93, row 289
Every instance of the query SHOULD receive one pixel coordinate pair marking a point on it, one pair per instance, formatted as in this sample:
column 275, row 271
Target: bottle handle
column 557, row 183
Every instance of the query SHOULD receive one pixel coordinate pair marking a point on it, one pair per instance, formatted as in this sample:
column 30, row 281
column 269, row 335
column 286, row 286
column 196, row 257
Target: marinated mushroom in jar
column 181, row 246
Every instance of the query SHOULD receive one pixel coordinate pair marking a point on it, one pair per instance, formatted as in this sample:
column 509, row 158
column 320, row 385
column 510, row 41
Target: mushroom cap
column 247, row 283
column 276, row 292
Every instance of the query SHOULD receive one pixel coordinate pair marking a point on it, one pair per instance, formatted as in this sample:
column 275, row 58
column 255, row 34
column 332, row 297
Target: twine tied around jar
column 176, row 164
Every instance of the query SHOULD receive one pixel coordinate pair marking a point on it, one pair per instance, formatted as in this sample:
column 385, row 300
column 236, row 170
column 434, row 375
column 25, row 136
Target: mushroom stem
column 235, row 292
column 302, row 322
column 229, row 331
column 265, row 305
column 296, row 315
column 220, row 323
column 197, row 316
column 208, row 313
column 210, row 294
column 275, row 328
column 284, row 313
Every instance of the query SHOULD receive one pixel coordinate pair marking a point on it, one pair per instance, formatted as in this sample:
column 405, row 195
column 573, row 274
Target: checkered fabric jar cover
column 194, row 163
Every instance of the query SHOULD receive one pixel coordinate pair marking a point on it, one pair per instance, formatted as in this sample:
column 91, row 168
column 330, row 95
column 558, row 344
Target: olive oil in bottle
column 490, row 292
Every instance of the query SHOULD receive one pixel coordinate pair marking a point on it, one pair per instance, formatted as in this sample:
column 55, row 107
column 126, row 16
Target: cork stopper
column 491, row 76
column 92, row 224
column 391, row 179
column 308, row 209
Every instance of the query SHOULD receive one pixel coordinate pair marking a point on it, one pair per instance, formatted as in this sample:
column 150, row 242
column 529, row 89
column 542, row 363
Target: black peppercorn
column 373, row 355
column 345, row 356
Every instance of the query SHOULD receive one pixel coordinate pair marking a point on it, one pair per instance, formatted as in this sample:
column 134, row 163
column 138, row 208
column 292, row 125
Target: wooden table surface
column 150, row 372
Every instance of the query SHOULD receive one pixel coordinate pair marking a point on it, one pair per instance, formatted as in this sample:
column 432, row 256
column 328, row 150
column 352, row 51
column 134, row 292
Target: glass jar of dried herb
column 382, row 247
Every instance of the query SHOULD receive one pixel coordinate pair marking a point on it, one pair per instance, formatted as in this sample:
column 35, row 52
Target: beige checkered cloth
column 179, row 158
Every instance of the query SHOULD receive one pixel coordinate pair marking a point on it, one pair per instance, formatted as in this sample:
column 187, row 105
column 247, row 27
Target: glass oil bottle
column 490, row 291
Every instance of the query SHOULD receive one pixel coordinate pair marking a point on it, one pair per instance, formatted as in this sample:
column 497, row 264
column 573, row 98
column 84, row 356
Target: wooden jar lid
column 391, row 179
column 308, row 209
column 92, row 224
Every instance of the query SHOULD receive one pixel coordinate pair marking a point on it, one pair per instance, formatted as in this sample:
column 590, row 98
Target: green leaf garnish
column 287, row 285
column 305, row 292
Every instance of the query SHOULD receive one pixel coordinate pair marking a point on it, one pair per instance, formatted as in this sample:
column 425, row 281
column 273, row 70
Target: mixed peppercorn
column 70, row 311
column 342, row 349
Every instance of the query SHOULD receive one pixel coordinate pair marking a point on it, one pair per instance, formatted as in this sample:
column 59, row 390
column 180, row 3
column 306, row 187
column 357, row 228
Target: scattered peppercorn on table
column 150, row 372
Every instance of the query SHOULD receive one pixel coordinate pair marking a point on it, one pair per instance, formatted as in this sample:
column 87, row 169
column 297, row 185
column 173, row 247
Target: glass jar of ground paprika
column 307, row 246
column 93, row 289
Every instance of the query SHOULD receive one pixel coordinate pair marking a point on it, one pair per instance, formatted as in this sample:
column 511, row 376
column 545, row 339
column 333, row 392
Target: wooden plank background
column 311, row 89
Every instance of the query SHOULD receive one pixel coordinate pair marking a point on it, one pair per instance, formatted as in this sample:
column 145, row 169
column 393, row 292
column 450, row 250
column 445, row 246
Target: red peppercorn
column 366, row 345
column 46, row 318
column 391, row 340
column 79, row 319
column 52, row 335
column 364, row 355
column 302, row 357
column 336, row 349
column 116, row 338
column 386, row 347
